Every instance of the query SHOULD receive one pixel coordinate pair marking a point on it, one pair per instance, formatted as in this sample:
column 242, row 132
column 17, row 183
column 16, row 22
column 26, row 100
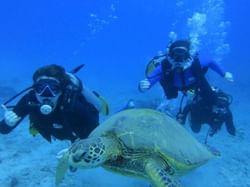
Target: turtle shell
column 155, row 132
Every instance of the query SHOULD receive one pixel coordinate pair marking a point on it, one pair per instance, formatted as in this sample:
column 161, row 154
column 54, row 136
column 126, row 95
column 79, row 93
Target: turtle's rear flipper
column 72, row 169
column 159, row 175
column 61, row 169
column 213, row 150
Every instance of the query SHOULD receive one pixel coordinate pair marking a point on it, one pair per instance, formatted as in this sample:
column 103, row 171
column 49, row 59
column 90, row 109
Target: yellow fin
column 105, row 106
column 33, row 131
column 152, row 64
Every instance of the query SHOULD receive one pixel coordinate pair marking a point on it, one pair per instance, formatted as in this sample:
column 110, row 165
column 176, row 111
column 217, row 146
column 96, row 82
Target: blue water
column 115, row 39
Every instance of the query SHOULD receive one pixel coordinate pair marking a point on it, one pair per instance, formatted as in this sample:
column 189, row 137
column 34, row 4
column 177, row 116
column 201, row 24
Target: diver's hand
column 229, row 76
column 10, row 117
column 144, row 85
column 180, row 118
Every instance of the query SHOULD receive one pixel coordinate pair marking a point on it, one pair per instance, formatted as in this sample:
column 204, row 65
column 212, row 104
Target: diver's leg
column 195, row 126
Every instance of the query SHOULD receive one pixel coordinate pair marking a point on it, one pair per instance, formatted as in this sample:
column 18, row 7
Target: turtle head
column 87, row 153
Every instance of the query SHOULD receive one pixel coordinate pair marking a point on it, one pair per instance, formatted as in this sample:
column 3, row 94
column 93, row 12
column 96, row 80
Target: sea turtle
column 139, row 143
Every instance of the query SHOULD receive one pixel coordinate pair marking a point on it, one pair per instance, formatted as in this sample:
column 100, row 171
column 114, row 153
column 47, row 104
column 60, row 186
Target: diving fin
column 97, row 100
column 105, row 106
column 33, row 131
column 152, row 64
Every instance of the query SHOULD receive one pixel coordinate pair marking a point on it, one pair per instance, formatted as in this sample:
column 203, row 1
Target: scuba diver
column 203, row 113
column 181, row 70
column 58, row 106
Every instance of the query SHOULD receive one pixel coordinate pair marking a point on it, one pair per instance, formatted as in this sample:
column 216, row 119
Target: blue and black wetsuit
column 66, row 122
column 174, row 80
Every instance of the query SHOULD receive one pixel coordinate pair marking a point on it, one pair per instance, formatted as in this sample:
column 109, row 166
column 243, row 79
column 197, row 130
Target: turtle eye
column 83, row 154
column 76, row 159
column 97, row 150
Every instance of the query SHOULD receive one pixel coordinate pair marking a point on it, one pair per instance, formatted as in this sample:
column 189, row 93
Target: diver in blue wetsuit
column 182, row 71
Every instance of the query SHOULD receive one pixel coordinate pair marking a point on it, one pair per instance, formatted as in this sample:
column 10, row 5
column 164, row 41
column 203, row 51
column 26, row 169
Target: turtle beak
column 84, row 154
column 78, row 157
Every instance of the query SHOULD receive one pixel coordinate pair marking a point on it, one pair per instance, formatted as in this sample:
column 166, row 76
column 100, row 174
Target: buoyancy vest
column 167, row 82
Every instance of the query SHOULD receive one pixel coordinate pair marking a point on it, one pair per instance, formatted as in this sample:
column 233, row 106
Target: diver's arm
column 218, row 69
column 214, row 66
column 150, row 80
column 20, row 110
column 155, row 76
column 4, row 128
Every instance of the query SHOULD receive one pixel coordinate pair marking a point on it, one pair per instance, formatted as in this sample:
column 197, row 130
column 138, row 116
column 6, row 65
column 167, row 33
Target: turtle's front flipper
column 159, row 174
column 62, row 168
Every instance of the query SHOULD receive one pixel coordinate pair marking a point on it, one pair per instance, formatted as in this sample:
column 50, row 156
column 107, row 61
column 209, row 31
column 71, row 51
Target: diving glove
column 11, row 118
column 144, row 85
column 229, row 76
column 180, row 118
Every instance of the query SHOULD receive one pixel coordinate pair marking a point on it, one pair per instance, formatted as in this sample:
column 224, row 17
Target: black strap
column 76, row 69
column 15, row 96
column 207, row 135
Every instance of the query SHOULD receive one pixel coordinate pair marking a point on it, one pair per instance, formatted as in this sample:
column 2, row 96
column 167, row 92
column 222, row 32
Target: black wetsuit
column 68, row 121
column 203, row 113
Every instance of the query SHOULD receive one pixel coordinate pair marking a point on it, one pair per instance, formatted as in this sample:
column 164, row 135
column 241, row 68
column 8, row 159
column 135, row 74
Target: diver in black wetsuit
column 214, row 115
column 56, row 106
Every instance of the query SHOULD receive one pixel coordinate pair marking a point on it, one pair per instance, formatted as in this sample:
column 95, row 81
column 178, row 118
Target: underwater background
column 115, row 39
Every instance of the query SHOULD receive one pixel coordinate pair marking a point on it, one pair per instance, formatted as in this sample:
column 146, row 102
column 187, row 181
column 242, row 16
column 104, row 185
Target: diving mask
column 47, row 91
column 47, row 87
column 179, row 54
column 181, row 65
